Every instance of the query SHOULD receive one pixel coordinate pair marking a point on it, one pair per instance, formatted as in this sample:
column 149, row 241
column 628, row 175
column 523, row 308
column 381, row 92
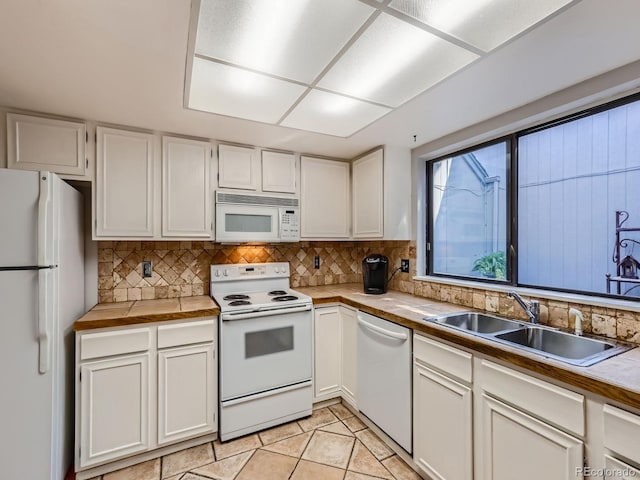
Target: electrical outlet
column 404, row 265
column 147, row 269
column 316, row 261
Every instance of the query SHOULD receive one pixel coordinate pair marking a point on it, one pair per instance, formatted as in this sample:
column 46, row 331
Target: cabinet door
column 237, row 167
column 327, row 371
column 368, row 202
column 36, row 143
column 278, row 172
column 124, row 184
column 324, row 198
column 619, row 470
column 349, row 324
column 187, row 401
column 517, row 445
column 186, row 193
column 442, row 425
column 114, row 408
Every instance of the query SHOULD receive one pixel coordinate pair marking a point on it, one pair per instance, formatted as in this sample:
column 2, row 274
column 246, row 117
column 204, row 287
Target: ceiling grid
column 336, row 66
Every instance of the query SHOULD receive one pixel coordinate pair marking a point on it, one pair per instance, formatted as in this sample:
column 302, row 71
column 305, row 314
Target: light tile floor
column 331, row 444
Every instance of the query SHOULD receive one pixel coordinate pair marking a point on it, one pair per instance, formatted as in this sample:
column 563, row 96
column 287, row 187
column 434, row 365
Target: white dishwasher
column 384, row 376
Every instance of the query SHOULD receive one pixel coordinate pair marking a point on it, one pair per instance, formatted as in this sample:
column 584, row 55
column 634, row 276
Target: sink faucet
column 531, row 308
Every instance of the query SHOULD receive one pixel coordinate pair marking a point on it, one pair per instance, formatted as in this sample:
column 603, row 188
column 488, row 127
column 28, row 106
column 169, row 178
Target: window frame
column 512, row 203
column 508, row 139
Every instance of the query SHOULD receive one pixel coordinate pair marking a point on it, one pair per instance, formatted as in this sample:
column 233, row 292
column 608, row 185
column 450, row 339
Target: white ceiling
column 124, row 62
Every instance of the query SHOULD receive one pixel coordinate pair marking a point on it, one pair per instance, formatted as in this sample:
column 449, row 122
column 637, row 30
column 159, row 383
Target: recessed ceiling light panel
column 393, row 61
column 235, row 92
column 332, row 114
column 485, row 24
column 294, row 39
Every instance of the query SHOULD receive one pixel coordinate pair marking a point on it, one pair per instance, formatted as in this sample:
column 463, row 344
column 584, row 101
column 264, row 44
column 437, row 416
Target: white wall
column 397, row 193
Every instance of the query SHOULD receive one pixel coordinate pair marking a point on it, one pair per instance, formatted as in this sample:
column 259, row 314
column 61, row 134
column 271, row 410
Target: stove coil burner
column 277, row 292
column 237, row 296
column 238, row 303
column 284, row 298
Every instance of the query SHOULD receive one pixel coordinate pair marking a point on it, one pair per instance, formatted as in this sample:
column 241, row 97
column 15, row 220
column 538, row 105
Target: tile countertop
column 145, row 311
column 616, row 378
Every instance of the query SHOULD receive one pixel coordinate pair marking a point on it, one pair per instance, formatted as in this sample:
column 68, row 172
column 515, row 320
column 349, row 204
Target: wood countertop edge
column 495, row 350
column 124, row 321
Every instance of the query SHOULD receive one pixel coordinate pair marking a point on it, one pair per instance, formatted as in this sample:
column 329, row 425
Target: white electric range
column 265, row 347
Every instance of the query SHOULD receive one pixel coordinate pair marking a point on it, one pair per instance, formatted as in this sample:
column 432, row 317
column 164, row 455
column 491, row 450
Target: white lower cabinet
column 617, row 469
column 327, row 353
column 133, row 382
column 620, row 438
column 442, row 411
column 349, row 330
column 476, row 419
column 518, row 445
column 442, row 445
column 186, row 386
column 335, row 369
column 114, row 408
column 530, row 429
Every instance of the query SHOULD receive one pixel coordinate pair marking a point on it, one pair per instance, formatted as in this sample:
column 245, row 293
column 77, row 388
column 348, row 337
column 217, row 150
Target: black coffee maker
column 375, row 268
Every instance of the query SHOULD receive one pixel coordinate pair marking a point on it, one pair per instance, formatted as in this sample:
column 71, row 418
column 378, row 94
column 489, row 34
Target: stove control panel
column 221, row 273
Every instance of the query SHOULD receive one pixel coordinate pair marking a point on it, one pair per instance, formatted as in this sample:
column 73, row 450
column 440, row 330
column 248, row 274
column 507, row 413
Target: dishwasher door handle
column 382, row 331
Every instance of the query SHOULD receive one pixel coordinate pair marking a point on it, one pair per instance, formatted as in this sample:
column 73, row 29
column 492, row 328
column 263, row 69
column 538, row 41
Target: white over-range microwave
column 242, row 218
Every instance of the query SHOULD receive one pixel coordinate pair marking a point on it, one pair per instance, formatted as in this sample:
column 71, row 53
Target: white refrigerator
column 41, row 296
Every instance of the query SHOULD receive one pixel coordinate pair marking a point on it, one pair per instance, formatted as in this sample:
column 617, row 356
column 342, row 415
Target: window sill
column 633, row 306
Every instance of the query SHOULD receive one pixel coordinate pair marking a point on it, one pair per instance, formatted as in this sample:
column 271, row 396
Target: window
column 577, row 180
column 469, row 212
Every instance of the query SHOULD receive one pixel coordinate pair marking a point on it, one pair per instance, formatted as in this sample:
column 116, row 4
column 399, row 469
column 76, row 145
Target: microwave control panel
column 289, row 224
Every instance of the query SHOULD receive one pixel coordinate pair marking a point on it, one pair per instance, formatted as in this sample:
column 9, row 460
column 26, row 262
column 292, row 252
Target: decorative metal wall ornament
column 627, row 268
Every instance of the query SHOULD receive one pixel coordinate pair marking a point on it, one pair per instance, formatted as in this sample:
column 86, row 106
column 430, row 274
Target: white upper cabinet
column 124, row 184
column 186, row 193
column 238, row 167
column 368, row 192
column 36, row 143
column 278, row 172
column 324, row 198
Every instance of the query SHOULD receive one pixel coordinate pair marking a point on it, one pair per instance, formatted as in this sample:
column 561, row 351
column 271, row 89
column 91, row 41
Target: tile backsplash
column 181, row 269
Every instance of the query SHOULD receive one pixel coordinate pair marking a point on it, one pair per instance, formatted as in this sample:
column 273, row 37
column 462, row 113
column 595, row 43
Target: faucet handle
column 579, row 320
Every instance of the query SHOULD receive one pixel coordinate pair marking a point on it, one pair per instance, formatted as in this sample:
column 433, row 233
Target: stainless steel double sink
column 546, row 341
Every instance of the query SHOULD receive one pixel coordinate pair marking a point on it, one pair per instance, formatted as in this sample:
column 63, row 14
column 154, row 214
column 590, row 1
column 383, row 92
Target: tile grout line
column 369, row 450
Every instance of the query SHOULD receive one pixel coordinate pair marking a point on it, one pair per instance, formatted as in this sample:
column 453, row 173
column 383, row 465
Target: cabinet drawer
column 452, row 361
column 554, row 404
column 186, row 333
column 621, row 432
column 95, row 345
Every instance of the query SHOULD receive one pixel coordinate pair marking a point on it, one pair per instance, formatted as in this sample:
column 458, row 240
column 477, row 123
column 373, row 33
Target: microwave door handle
column 264, row 313
column 382, row 331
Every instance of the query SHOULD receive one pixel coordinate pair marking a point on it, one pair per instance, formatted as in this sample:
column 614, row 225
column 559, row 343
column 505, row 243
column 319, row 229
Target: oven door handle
column 268, row 393
column 264, row 313
column 382, row 331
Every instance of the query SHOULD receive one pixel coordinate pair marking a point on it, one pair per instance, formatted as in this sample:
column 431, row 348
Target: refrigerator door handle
column 43, row 217
column 44, row 341
column 43, row 319
column 27, row 267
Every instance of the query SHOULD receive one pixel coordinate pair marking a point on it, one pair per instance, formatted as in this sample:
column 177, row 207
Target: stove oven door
column 262, row 351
